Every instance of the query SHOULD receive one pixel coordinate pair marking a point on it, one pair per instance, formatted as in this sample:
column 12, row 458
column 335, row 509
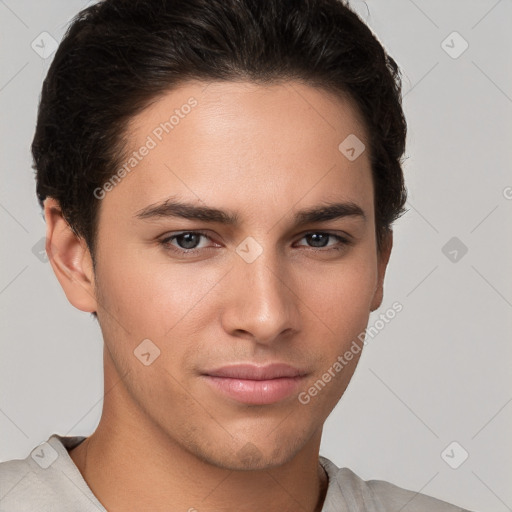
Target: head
column 233, row 120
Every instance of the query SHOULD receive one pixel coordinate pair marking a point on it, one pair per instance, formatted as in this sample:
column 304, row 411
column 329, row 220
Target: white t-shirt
column 48, row 480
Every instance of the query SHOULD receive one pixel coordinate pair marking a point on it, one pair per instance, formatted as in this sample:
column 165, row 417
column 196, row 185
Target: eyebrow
column 176, row 208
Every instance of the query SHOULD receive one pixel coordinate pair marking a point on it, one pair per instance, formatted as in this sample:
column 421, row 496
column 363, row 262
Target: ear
column 70, row 259
column 382, row 263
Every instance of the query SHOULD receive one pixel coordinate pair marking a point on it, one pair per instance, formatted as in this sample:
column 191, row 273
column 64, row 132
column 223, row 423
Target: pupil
column 189, row 242
column 315, row 237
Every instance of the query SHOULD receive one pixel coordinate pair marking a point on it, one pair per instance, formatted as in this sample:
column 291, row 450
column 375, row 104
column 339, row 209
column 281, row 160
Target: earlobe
column 70, row 259
column 382, row 263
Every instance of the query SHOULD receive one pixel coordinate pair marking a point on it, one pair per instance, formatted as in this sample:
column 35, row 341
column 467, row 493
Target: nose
column 261, row 305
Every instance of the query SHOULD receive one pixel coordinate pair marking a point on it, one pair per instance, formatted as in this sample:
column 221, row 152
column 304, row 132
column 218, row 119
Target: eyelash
column 166, row 242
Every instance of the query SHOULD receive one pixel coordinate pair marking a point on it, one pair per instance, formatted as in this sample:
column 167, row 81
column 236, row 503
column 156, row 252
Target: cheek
column 341, row 296
column 150, row 296
column 340, row 306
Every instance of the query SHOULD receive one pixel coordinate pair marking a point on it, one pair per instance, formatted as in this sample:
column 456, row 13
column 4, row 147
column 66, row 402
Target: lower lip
column 256, row 392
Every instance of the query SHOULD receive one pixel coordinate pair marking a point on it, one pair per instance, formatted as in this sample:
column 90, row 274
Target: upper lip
column 254, row 372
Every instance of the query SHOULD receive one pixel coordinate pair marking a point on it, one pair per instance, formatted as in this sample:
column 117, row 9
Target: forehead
column 244, row 143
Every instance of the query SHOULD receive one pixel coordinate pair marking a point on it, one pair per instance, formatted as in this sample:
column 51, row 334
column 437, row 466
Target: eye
column 320, row 239
column 187, row 241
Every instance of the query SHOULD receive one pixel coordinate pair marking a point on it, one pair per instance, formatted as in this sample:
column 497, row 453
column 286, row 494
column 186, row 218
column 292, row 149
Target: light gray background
column 439, row 372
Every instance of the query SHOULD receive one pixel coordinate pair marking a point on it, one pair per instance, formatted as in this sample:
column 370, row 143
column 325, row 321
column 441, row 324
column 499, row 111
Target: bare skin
column 168, row 439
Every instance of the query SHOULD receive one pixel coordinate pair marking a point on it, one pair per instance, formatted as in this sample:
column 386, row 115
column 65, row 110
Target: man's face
column 260, row 291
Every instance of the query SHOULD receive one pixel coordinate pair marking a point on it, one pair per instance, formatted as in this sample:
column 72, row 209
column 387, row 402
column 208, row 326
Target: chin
column 256, row 455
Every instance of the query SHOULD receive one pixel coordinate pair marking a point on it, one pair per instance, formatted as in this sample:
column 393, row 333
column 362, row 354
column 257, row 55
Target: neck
column 132, row 474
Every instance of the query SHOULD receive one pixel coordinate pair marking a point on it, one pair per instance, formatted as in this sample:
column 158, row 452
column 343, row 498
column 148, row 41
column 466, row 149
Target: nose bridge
column 262, row 304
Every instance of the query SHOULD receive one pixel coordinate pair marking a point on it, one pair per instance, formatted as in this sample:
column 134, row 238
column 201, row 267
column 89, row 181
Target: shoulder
column 22, row 485
column 46, row 479
column 347, row 491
